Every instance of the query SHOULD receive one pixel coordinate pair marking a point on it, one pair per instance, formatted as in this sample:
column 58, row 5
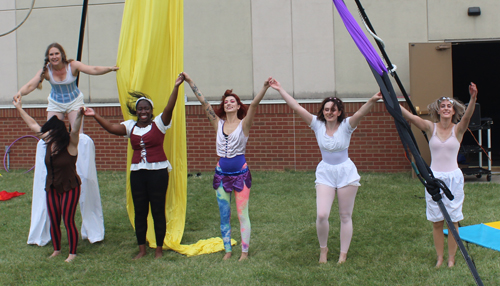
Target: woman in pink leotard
column 446, row 134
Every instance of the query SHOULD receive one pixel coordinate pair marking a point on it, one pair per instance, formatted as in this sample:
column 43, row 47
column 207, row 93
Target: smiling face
column 331, row 112
column 231, row 104
column 144, row 112
column 55, row 56
column 446, row 109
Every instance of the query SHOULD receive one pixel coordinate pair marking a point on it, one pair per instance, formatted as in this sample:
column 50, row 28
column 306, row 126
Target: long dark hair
column 46, row 61
column 58, row 133
column 336, row 102
column 131, row 104
column 242, row 112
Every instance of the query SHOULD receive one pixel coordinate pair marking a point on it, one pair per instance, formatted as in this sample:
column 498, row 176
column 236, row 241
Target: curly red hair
column 221, row 113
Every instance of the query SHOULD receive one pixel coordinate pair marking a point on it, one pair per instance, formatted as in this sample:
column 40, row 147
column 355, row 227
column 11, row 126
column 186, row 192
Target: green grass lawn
column 392, row 242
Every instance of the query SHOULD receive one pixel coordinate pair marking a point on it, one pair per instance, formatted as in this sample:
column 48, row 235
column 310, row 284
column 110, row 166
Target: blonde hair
column 458, row 106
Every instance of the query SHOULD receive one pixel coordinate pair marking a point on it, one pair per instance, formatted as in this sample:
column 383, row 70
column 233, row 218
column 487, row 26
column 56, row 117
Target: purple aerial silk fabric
column 360, row 38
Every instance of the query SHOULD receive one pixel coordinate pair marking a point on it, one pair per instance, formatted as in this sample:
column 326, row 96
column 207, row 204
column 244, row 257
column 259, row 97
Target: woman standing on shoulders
column 65, row 97
column 150, row 167
column 232, row 122
column 62, row 185
column 336, row 173
column 446, row 134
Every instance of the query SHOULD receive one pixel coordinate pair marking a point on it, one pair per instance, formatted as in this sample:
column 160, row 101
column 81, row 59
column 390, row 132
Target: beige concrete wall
column 238, row 44
column 448, row 20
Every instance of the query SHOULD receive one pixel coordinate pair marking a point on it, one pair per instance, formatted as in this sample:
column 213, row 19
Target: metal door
column 431, row 77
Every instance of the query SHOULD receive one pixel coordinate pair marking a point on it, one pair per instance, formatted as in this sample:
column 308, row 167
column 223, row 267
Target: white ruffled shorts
column 454, row 180
column 337, row 176
column 65, row 107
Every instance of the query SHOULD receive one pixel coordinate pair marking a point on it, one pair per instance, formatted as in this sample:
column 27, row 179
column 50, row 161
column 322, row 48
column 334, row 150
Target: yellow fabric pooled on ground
column 150, row 57
column 495, row 224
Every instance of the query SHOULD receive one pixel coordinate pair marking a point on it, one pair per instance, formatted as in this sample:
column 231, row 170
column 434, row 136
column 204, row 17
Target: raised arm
column 214, row 119
column 252, row 109
column 77, row 66
column 464, row 122
column 294, row 105
column 167, row 112
column 32, row 124
column 113, row 128
column 74, row 135
column 363, row 110
column 422, row 124
column 29, row 87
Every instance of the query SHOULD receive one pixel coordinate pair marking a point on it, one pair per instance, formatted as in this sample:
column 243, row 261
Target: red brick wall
column 279, row 140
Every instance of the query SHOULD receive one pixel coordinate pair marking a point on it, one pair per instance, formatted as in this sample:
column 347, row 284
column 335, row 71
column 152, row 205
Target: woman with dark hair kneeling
column 232, row 122
column 62, row 183
column 336, row 173
column 150, row 167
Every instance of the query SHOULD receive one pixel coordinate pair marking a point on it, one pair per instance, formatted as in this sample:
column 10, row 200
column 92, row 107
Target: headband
column 144, row 98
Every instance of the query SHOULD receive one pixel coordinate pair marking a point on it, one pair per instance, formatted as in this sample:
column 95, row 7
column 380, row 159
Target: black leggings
column 149, row 187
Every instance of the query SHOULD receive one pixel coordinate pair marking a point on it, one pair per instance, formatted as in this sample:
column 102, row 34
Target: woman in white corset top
column 446, row 133
column 336, row 173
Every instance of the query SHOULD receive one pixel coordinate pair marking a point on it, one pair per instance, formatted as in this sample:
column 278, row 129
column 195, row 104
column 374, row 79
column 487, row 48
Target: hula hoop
column 8, row 149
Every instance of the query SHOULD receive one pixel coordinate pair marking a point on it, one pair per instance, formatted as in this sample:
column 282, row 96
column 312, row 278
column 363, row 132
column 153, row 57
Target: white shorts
column 454, row 180
column 65, row 107
column 337, row 176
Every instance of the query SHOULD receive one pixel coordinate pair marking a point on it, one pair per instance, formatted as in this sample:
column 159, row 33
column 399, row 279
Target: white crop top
column 334, row 149
column 233, row 144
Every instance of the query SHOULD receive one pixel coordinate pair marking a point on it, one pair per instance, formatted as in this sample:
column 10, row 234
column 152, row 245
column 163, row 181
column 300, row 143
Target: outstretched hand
column 87, row 111
column 114, row 68
column 473, row 90
column 274, row 84
column 180, row 79
column 266, row 82
column 17, row 101
column 187, row 78
column 17, row 96
column 377, row 96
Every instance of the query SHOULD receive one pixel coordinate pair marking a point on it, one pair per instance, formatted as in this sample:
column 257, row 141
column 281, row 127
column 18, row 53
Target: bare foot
column 70, row 258
column 244, row 255
column 142, row 252
column 55, row 253
column 342, row 258
column 323, row 254
column 227, row 256
column 451, row 261
column 439, row 262
column 159, row 252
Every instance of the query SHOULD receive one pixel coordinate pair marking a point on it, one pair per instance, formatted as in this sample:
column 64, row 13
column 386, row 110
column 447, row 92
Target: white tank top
column 444, row 154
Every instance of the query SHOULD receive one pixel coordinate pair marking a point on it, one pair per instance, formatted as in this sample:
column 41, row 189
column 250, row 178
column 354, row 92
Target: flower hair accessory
column 144, row 98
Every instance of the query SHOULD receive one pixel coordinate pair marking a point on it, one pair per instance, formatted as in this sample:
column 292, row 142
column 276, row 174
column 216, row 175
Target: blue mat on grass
column 480, row 234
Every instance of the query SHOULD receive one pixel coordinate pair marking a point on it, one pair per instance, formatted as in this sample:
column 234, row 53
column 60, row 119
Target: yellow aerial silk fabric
column 150, row 57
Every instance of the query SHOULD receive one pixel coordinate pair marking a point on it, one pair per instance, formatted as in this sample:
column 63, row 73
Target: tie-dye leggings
column 224, row 201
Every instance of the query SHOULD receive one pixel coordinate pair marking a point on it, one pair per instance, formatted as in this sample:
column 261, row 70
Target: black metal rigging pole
column 82, row 35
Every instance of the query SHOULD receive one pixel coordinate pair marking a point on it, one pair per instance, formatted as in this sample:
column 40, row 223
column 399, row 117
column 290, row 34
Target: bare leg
column 72, row 117
column 70, row 258
column 346, row 197
column 58, row 114
column 437, row 233
column 452, row 247
column 142, row 252
column 159, row 252
column 227, row 256
column 325, row 196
